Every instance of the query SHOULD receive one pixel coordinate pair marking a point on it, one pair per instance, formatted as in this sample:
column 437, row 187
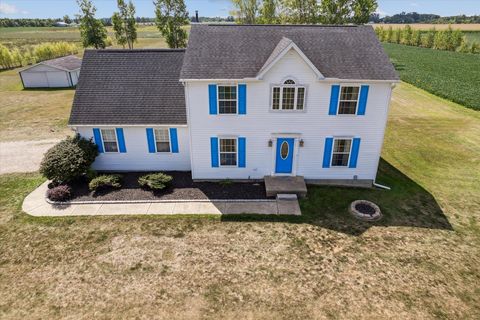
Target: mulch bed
column 182, row 187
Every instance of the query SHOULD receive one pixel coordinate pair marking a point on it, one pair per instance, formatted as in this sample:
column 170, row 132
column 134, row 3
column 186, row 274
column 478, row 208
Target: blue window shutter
column 327, row 153
column 212, row 95
column 174, row 140
column 242, row 157
column 242, row 99
column 151, row 140
column 354, row 155
column 362, row 103
column 334, row 100
column 214, row 151
column 98, row 139
column 121, row 140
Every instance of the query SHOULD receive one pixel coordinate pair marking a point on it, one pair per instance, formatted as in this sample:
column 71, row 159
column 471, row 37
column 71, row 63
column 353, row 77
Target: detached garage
column 56, row 73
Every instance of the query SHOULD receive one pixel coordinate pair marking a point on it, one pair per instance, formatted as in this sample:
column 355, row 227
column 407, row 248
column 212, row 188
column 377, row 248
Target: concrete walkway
column 35, row 204
column 23, row 156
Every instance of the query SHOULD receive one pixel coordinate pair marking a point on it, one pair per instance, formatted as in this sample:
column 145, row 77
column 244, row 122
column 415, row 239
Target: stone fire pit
column 365, row 210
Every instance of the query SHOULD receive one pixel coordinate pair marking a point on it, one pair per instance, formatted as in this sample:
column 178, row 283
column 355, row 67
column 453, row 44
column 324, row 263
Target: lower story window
column 162, row 140
column 228, row 152
column 109, row 139
column 341, row 152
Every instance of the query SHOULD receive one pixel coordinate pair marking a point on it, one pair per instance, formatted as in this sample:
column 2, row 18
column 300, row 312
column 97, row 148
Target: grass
column 420, row 262
column 451, row 75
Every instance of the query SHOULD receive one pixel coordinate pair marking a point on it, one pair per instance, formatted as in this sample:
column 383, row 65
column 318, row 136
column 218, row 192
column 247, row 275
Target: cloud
column 7, row 9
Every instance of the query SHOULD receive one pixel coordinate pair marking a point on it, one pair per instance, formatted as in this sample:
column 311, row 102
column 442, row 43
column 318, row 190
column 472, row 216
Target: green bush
column 155, row 181
column 105, row 181
column 68, row 160
column 91, row 174
column 88, row 146
column 64, row 162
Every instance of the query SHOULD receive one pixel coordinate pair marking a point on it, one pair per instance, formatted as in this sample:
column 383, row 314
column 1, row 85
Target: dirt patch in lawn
column 182, row 187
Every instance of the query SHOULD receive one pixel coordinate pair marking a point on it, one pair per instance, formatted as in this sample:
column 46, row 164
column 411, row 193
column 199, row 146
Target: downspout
column 381, row 186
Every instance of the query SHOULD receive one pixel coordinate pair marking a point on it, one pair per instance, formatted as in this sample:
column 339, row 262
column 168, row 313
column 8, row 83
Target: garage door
column 35, row 79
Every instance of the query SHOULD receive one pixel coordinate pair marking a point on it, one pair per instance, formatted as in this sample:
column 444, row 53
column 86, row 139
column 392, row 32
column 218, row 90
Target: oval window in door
column 284, row 149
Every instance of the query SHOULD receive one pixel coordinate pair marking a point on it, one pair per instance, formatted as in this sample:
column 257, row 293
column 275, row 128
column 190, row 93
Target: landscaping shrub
column 105, row 181
column 88, row 146
column 69, row 159
column 59, row 193
column 64, row 162
column 91, row 174
column 155, row 181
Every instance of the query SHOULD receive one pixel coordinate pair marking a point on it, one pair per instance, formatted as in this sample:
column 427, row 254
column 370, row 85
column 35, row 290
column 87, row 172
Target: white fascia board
column 221, row 80
column 126, row 125
column 283, row 53
column 359, row 80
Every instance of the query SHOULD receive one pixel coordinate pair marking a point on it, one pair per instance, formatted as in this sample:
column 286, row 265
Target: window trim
column 155, row 140
column 339, row 100
column 349, row 151
column 220, row 151
column 218, row 99
column 116, row 140
column 281, row 86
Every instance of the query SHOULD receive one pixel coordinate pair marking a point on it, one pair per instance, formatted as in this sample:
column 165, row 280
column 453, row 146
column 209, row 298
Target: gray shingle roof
column 130, row 87
column 240, row 51
column 69, row 63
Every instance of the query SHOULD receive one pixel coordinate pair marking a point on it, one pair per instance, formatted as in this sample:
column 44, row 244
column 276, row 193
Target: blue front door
column 284, row 158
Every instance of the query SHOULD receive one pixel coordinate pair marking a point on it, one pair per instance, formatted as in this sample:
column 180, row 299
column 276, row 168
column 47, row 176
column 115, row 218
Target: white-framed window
column 109, row 139
column 228, row 152
column 162, row 139
column 348, row 101
column 342, row 148
column 227, row 99
column 288, row 96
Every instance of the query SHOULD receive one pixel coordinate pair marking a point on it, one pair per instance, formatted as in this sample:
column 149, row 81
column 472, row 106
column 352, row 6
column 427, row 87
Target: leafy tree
column 92, row 30
column 335, row 11
column 301, row 11
column 124, row 24
column 363, row 9
column 67, row 19
column 268, row 12
column 246, row 11
column 171, row 15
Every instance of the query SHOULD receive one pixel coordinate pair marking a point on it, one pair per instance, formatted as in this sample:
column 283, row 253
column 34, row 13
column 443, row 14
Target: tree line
column 12, row 58
column 449, row 39
column 303, row 11
column 414, row 17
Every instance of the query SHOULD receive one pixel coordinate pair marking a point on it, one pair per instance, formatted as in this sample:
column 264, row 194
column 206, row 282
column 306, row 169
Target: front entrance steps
column 275, row 185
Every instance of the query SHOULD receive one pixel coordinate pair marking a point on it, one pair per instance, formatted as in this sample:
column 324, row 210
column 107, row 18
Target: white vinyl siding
column 313, row 125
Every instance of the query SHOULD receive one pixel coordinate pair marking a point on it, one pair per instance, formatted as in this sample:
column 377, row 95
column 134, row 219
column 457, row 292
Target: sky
column 221, row 8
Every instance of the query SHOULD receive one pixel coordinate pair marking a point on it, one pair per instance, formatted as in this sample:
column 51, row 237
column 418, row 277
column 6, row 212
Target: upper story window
column 288, row 96
column 348, row 101
column 162, row 140
column 109, row 138
column 227, row 99
column 341, row 152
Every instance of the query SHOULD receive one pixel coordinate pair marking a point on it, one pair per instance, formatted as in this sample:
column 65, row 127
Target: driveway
column 23, row 156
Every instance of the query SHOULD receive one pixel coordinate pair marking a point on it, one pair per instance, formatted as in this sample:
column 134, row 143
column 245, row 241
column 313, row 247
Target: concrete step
column 275, row 185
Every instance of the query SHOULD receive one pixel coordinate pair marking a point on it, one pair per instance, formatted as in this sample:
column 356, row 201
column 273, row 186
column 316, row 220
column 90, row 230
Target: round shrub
column 105, row 181
column 64, row 162
column 155, row 181
column 88, row 146
column 59, row 193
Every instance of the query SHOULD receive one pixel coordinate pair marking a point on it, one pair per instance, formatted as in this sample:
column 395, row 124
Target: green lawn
column 420, row 262
column 452, row 75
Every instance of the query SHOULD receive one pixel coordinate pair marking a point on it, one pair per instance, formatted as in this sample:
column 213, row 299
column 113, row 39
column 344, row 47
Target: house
column 242, row 102
column 56, row 73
